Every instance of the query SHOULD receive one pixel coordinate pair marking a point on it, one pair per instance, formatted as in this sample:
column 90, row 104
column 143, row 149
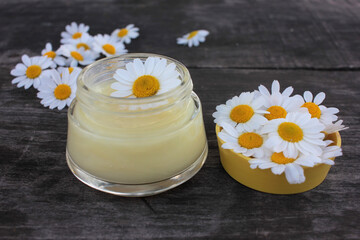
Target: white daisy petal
column 308, row 96
column 279, row 169
column 319, row 98
column 26, row 60
column 294, row 174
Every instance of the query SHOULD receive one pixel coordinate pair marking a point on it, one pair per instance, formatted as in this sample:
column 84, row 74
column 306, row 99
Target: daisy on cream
column 193, row 38
column 279, row 104
column 55, row 56
column 108, row 46
column 292, row 167
column 77, row 56
column 324, row 114
column 295, row 133
column 59, row 90
column 73, row 31
column 247, row 143
column 145, row 79
column 31, row 71
column 245, row 112
column 126, row 34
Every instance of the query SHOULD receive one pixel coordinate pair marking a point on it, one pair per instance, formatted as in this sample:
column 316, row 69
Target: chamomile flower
column 245, row 112
column 324, row 114
column 31, row 72
column 126, row 34
column 247, row 143
column 55, row 56
column 59, row 90
column 108, row 46
column 85, row 41
column 330, row 152
column 77, row 56
column 292, row 167
column 193, row 38
column 139, row 79
column 77, row 70
column 73, row 31
column 279, row 104
column 335, row 127
column 296, row 132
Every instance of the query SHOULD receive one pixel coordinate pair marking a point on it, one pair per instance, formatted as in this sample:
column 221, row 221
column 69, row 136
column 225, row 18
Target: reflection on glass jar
column 134, row 146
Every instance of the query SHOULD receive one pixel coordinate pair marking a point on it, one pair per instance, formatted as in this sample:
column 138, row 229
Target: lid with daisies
column 278, row 131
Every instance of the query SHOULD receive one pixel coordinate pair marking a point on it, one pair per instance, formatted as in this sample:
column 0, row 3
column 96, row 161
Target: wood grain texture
column 41, row 199
column 246, row 34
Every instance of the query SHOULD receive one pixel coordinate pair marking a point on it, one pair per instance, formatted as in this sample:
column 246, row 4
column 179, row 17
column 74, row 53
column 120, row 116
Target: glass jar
column 134, row 146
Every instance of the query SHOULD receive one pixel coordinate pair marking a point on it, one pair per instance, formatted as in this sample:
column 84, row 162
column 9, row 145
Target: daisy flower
column 245, row 112
column 296, row 132
column 193, row 38
column 335, row 127
column 246, row 143
column 85, row 41
column 126, row 34
column 54, row 55
column 108, row 46
column 31, row 71
column 279, row 104
column 76, row 56
column 73, row 31
column 69, row 69
column 330, row 152
column 59, row 90
column 139, row 79
column 324, row 114
column 292, row 167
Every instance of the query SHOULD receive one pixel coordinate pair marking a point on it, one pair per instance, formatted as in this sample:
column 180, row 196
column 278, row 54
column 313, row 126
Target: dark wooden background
column 311, row 45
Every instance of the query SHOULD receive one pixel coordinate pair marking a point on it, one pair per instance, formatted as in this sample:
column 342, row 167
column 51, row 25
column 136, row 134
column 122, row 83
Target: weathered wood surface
column 246, row 34
column 41, row 199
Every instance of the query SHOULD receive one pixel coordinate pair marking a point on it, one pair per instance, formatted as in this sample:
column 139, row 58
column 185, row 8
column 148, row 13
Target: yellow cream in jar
column 130, row 145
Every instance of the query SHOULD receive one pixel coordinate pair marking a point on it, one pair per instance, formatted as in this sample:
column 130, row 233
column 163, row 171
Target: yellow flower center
column 76, row 35
column 280, row 158
column 50, row 54
column 33, row 71
column 123, row 32
column 145, row 86
column 110, row 49
column 250, row 140
column 275, row 112
column 192, row 34
column 83, row 45
column 290, row 132
column 314, row 109
column 77, row 56
column 241, row 113
column 62, row 91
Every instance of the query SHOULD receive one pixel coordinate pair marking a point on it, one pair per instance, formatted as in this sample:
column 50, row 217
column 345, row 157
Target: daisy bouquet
column 279, row 131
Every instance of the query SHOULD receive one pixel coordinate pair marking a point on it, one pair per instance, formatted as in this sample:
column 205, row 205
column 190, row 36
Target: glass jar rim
column 183, row 88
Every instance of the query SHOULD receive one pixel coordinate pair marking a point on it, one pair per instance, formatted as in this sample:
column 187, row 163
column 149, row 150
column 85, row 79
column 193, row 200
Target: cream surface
column 136, row 148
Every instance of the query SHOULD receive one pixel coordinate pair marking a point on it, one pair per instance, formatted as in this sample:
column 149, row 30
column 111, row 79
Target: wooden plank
column 41, row 199
column 318, row 34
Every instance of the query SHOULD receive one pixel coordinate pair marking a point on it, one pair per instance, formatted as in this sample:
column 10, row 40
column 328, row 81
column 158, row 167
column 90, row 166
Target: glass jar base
column 137, row 190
